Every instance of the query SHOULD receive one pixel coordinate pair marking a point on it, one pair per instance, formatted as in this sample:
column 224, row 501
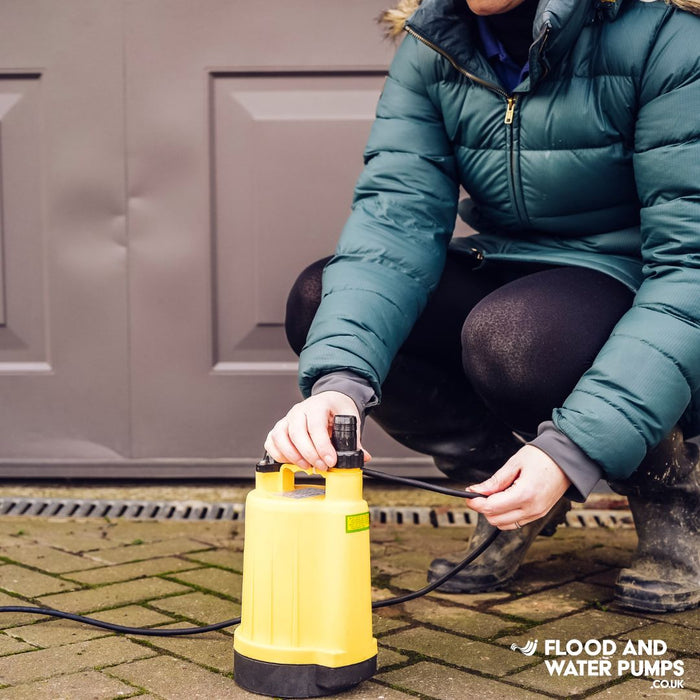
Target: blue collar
column 508, row 71
column 451, row 28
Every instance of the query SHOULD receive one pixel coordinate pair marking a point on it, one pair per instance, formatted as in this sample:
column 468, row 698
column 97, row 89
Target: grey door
column 189, row 159
column 64, row 384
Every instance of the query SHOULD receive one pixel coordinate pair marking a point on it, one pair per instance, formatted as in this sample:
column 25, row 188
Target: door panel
column 22, row 282
column 249, row 137
column 63, row 339
column 277, row 205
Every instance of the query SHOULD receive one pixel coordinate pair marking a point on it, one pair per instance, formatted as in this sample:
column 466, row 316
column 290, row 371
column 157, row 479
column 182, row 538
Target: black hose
column 141, row 631
column 438, row 582
column 420, row 484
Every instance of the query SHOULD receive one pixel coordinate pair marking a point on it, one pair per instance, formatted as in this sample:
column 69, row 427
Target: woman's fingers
column 500, row 480
column 530, row 482
column 505, row 509
column 302, row 437
column 280, row 447
column 318, row 425
column 298, row 431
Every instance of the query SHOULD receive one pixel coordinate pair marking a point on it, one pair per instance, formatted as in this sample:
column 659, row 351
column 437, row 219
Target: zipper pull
column 510, row 109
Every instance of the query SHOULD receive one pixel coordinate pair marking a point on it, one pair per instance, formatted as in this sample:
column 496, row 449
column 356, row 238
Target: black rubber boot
column 664, row 497
column 500, row 562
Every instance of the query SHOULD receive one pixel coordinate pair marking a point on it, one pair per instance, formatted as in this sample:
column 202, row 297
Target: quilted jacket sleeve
column 649, row 371
column 392, row 250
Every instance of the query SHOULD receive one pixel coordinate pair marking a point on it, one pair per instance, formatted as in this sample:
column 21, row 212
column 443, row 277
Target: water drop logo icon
column 529, row 649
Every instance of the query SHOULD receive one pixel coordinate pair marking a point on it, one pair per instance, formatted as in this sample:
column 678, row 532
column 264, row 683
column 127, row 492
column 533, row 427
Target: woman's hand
column 524, row 489
column 302, row 437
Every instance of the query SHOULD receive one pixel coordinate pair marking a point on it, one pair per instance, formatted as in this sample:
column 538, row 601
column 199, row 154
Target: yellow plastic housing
column 306, row 571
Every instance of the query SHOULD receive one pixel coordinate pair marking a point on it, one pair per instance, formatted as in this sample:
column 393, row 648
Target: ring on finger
column 517, row 525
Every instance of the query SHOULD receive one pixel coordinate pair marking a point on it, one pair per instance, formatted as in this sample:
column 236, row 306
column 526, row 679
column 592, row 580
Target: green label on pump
column 357, row 523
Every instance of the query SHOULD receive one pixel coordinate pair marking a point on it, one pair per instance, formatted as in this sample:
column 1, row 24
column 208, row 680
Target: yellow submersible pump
column 306, row 625
column 306, row 617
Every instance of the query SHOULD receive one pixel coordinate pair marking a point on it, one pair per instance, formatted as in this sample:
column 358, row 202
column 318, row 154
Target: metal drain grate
column 402, row 515
column 461, row 517
column 111, row 509
column 200, row 510
column 583, row 517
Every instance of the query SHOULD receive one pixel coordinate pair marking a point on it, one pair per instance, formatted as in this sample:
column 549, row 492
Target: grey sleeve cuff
column 350, row 384
column 582, row 471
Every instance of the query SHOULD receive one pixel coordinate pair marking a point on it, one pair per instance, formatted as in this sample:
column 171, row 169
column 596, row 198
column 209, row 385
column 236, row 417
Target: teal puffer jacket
column 594, row 160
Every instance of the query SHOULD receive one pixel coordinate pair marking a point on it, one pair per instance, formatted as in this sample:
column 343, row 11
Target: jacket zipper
column 510, row 109
column 511, row 102
column 518, row 205
column 510, row 112
column 510, row 99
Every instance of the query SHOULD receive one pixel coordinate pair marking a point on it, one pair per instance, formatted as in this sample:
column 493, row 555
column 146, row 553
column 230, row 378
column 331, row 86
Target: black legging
column 495, row 350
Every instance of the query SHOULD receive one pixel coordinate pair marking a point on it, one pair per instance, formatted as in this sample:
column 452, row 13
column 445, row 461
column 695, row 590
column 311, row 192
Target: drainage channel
column 116, row 508
column 204, row 511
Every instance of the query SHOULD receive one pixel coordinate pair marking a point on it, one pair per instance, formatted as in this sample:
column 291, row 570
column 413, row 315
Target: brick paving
column 441, row 647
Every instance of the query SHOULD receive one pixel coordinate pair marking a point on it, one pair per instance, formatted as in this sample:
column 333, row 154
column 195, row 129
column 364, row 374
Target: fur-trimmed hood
column 395, row 18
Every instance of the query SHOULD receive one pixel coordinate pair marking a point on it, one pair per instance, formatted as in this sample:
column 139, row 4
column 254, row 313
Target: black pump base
column 298, row 680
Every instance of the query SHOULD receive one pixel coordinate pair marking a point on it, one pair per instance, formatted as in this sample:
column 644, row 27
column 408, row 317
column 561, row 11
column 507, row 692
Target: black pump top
column 344, row 439
column 267, row 465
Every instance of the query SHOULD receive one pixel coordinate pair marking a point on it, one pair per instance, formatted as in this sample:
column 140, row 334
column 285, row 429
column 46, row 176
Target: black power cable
column 186, row 631
column 438, row 582
column 141, row 631
column 425, row 485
